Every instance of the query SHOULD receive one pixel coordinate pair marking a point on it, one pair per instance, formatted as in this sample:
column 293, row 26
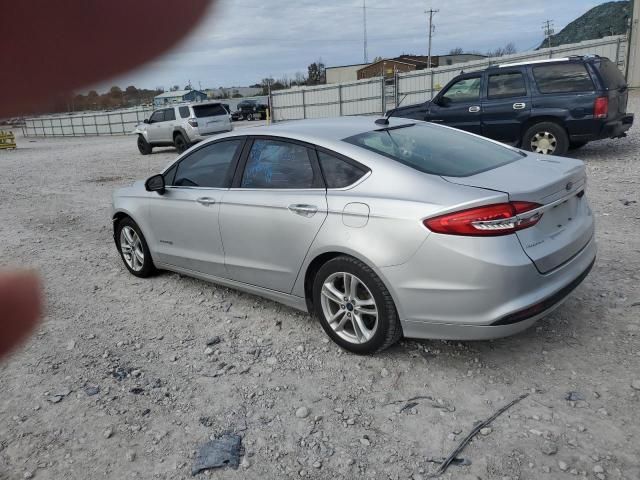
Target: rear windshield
column 436, row 150
column 209, row 110
column 612, row 76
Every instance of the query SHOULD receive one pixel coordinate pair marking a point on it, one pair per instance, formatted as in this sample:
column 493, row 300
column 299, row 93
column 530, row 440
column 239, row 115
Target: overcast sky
column 240, row 42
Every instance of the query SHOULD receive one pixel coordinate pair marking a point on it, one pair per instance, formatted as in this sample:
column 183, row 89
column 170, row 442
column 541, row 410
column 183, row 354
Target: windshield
column 436, row 150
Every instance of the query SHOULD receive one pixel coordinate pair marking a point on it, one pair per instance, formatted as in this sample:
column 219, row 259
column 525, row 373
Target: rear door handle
column 519, row 106
column 303, row 209
column 474, row 109
column 206, row 201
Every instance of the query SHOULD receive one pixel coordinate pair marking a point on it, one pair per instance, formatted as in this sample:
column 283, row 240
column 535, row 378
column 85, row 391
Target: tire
column 377, row 334
column 576, row 145
column 180, row 142
column 144, row 268
column 251, row 117
column 144, row 147
column 547, row 138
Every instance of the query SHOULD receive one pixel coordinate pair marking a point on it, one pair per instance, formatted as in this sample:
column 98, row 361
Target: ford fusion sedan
column 378, row 229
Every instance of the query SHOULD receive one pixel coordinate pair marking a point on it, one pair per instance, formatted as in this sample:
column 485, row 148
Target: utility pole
column 547, row 26
column 431, row 13
column 364, row 22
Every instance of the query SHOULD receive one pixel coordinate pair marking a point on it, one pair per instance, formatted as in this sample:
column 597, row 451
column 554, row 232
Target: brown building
column 407, row 63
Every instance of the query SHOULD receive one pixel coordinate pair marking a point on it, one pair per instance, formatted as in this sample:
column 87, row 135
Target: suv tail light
column 601, row 107
column 193, row 122
column 487, row 221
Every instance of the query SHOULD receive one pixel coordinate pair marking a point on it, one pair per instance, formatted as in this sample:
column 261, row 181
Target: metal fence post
column 340, row 98
column 383, row 94
column 109, row 123
column 618, row 52
column 84, row 131
column 304, row 106
column 61, row 127
column 396, row 83
column 431, row 83
column 95, row 124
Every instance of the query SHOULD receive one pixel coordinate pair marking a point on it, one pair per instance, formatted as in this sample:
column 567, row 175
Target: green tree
column 316, row 73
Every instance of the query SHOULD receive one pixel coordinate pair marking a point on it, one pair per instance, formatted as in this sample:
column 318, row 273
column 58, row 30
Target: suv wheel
column 354, row 307
column 143, row 146
column 180, row 143
column 547, row 138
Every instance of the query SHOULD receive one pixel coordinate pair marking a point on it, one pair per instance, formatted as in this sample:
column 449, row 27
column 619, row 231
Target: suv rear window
column 612, row 76
column 210, row 110
column 436, row 150
column 562, row 78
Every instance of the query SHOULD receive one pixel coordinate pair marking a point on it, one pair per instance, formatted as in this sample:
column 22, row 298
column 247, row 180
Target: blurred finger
column 20, row 307
column 56, row 47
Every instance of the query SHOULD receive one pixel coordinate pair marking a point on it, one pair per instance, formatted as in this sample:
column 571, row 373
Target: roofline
column 352, row 65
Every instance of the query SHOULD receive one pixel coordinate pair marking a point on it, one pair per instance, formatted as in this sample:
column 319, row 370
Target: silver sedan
column 379, row 230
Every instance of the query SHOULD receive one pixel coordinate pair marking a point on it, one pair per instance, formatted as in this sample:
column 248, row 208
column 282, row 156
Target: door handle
column 474, row 109
column 519, row 106
column 206, row 201
column 304, row 210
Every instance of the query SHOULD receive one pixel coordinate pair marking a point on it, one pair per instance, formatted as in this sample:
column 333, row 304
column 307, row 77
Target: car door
column 168, row 125
column 458, row 105
column 506, row 106
column 185, row 218
column 271, row 215
column 153, row 127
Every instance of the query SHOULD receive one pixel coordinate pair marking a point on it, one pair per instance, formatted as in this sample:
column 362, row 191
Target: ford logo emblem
column 569, row 186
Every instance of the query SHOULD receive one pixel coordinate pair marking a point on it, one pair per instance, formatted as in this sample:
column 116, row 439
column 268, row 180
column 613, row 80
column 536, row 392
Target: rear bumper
column 613, row 129
column 459, row 289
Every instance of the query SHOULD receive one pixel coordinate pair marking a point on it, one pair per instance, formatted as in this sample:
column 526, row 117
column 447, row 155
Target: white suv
column 182, row 125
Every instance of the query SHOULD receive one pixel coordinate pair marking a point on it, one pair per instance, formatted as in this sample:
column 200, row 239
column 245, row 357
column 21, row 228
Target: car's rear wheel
column 250, row 117
column 180, row 143
column 547, row 138
column 143, row 146
column 133, row 248
column 354, row 307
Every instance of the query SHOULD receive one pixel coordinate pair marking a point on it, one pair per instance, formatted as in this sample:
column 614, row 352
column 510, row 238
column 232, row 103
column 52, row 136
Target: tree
column 175, row 88
column 188, row 87
column 456, row 51
column 377, row 59
column 510, row 48
column 299, row 79
column 316, row 73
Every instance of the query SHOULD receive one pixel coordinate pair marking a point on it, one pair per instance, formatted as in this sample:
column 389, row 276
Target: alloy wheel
column 349, row 307
column 544, row 142
column 131, row 248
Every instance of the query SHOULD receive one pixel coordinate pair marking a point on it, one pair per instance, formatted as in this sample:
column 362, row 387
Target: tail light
column 601, row 107
column 193, row 122
column 487, row 221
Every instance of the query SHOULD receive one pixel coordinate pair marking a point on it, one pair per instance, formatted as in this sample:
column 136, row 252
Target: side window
column 276, row 164
column 157, row 117
column 184, row 112
column 169, row 114
column 337, row 172
column 208, row 166
column 563, row 78
column 506, row 85
column 465, row 90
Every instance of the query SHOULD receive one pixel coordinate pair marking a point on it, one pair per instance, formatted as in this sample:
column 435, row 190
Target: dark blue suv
column 547, row 106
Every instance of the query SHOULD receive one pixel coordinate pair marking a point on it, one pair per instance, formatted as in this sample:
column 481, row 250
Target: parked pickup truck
column 545, row 106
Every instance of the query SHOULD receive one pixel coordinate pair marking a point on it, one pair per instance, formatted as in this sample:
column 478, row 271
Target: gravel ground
column 119, row 381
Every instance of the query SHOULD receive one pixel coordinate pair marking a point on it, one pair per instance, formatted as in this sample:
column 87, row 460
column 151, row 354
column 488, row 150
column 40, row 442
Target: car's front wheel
column 133, row 248
column 143, row 146
column 354, row 307
column 547, row 138
column 180, row 143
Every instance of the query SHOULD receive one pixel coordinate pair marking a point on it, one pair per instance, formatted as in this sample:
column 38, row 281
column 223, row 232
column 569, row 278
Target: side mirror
column 146, row 120
column 155, row 184
column 443, row 101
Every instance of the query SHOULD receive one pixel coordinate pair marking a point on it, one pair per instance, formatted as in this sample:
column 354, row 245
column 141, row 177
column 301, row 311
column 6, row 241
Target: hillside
column 607, row 19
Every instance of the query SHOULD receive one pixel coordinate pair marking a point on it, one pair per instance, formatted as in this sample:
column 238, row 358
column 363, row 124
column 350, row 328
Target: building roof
column 177, row 93
column 345, row 66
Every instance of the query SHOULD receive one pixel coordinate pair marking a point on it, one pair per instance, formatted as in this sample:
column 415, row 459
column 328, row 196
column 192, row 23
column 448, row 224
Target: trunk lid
column 212, row 118
column 616, row 85
column 556, row 183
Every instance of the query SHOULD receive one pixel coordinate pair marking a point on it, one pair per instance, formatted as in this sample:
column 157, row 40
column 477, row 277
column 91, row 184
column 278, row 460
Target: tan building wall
column 346, row 73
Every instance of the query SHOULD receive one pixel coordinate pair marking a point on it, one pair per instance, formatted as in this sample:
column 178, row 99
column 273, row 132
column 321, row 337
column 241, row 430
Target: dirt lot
column 163, row 392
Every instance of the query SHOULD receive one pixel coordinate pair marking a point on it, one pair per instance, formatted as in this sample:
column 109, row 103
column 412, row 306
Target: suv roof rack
column 546, row 60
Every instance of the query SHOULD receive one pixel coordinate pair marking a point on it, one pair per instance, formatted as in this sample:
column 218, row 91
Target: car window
column 276, row 164
column 157, row 116
column 210, row 110
column 169, row 114
column 184, row 112
column 506, row 85
column 208, row 166
column 338, row 173
column 465, row 90
column 611, row 74
column 562, row 78
column 436, row 150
